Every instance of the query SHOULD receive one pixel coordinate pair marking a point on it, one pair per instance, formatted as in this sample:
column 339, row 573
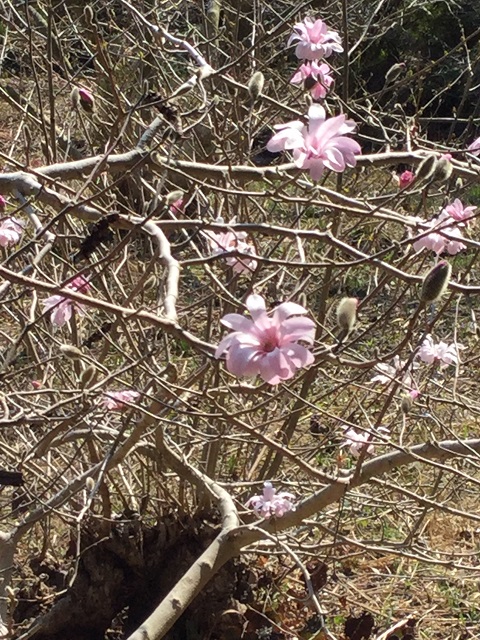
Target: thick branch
column 230, row 542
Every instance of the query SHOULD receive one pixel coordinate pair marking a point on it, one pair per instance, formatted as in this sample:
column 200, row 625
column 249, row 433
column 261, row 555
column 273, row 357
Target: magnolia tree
column 239, row 338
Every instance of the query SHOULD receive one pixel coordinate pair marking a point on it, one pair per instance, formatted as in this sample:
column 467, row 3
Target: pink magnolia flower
column 314, row 40
column 267, row 346
column 271, row 503
column 405, row 178
column 446, row 354
column 225, row 242
column 459, row 212
column 116, row 400
column 436, row 241
column 357, row 442
column 320, row 144
column 475, row 147
column 386, row 372
column 61, row 308
column 316, row 77
column 10, row 231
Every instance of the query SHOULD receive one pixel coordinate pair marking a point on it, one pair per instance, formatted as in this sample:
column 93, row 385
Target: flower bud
column 347, row 313
column 82, row 98
column 435, row 282
column 3, row 204
column 89, row 484
column 426, row 168
column 88, row 377
column 173, row 196
column 70, row 351
column 443, row 168
column 87, row 101
column 405, row 178
column 255, row 85
column 408, row 400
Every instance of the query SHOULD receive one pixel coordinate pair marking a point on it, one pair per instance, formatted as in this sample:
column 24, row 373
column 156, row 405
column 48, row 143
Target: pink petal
column 242, row 360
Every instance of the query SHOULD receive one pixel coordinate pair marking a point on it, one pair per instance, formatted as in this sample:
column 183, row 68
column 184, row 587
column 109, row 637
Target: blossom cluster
column 321, row 143
column 314, row 41
column 229, row 241
column 445, row 231
column 118, row 400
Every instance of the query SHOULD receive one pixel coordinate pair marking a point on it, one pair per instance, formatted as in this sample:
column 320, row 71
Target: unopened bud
column 71, row 352
column 435, row 282
column 426, row 168
column 347, row 313
column 82, row 98
column 89, row 484
column 443, row 168
column 408, row 400
column 87, row 377
column 3, row 204
column 255, row 85
column 87, row 101
column 173, row 196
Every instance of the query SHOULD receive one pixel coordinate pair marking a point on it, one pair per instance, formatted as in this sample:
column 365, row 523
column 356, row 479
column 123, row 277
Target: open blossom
column 459, row 212
column 321, row 143
column 436, row 241
column 387, row 372
column 267, row 345
column 271, row 503
column 445, row 353
column 10, row 231
column 115, row 400
column 314, row 40
column 61, row 308
column 358, row 441
column 223, row 243
column 316, row 77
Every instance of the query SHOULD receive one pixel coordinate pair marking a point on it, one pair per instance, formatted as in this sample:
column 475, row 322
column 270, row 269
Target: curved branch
column 231, row 541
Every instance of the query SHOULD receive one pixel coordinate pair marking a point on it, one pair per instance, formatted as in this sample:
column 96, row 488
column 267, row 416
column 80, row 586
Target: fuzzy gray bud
column 255, row 85
column 89, row 484
column 70, row 351
column 407, row 401
column 426, row 168
column 394, row 72
column 88, row 377
column 443, row 169
column 173, row 196
column 435, row 282
column 347, row 313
